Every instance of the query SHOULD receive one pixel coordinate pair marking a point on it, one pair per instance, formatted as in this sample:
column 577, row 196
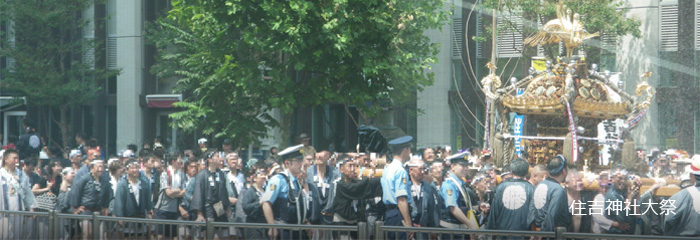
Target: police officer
column 683, row 220
column 395, row 187
column 458, row 204
column 282, row 202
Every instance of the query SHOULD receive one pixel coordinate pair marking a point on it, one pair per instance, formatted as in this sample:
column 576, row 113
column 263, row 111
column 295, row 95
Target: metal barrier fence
column 31, row 225
column 568, row 235
column 296, row 231
column 51, row 225
column 392, row 232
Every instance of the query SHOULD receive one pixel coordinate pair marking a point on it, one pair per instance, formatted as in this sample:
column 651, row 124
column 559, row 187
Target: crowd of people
column 300, row 185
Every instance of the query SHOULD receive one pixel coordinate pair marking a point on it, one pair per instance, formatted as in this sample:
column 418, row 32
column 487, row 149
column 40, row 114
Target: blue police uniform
column 454, row 194
column 284, row 193
column 453, row 197
column 286, row 197
column 394, row 185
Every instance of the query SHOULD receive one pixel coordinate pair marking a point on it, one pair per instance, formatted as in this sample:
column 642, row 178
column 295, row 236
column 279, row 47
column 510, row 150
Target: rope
column 603, row 141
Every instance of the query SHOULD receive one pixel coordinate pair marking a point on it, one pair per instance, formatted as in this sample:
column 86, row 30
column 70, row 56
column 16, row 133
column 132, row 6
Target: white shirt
column 600, row 222
column 114, row 181
column 135, row 189
column 416, row 191
column 175, row 178
column 231, row 176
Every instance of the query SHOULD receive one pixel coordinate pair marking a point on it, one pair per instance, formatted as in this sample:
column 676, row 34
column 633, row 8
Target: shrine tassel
column 572, row 126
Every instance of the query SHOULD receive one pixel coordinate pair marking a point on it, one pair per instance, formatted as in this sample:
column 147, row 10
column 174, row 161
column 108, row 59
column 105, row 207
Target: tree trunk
column 685, row 113
column 285, row 130
column 63, row 124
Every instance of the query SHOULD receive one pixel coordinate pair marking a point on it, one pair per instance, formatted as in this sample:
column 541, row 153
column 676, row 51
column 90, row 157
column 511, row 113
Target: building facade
column 133, row 107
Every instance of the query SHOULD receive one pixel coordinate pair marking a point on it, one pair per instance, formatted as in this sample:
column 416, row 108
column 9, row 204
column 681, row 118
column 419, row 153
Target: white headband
column 96, row 161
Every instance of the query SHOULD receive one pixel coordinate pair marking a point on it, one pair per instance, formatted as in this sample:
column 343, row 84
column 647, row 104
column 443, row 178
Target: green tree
column 354, row 52
column 48, row 47
column 604, row 16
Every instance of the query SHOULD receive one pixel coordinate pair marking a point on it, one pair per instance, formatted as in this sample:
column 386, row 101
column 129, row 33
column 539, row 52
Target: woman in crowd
column 41, row 188
column 54, row 176
column 45, row 188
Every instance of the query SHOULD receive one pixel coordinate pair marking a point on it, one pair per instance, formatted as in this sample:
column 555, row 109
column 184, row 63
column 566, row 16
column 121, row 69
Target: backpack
column 29, row 144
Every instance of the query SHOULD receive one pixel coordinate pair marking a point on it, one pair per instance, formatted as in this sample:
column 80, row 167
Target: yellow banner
column 539, row 64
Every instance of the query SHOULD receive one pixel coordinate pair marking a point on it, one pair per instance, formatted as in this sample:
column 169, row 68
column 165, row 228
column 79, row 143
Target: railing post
column 378, row 230
column 58, row 230
column 50, row 223
column 559, row 233
column 362, row 230
column 95, row 226
column 210, row 228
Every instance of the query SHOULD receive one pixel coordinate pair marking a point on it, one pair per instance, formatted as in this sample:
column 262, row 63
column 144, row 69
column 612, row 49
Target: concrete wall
column 130, row 116
column 435, row 125
column 638, row 55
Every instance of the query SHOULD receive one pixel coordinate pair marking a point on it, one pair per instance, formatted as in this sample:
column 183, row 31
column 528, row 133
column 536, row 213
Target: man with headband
column 684, row 219
column 549, row 206
column 91, row 193
column 424, row 202
column 346, row 196
column 133, row 200
column 322, row 175
column 210, row 195
column 69, row 229
column 171, row 192
column 76, row 159
column 623, row 198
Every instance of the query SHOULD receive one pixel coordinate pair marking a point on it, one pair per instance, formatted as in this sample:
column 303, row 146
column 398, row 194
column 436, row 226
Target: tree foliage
column 604, row 16
column 47, row 45
column 355, row 52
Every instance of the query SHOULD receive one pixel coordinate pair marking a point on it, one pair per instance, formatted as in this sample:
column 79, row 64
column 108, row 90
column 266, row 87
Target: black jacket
column 205, row 195
column 313, row 210
column 430, row 206
column 344, row 193
column 250, row 200
column 125, row 201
